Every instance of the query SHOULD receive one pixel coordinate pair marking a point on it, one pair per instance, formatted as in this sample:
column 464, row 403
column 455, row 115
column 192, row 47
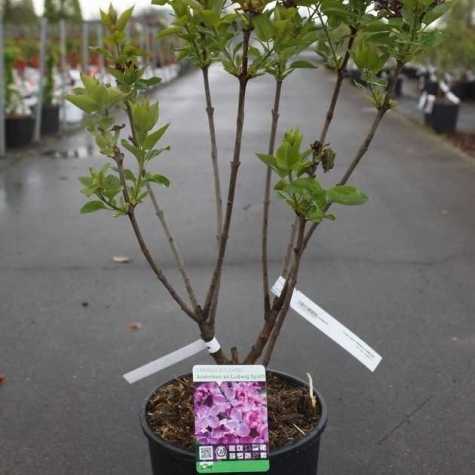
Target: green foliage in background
column 70, row 10
column 18, row 11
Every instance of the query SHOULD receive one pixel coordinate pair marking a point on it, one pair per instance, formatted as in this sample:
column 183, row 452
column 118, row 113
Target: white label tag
column 165, row 361
column 330, row 327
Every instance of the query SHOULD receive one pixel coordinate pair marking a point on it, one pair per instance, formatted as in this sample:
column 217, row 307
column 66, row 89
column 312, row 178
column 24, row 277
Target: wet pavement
column 397, row 271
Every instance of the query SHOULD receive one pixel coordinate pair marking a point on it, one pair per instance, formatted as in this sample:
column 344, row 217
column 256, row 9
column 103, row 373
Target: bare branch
column 337, row 88
column 288, row 254
column 267, row 198
column 174, row 248
column 214, row 152
column 291, row 283
column 243, row 80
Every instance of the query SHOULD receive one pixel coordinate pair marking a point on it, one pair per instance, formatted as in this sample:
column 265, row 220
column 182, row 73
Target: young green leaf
column 92, row 206
column 347, row 195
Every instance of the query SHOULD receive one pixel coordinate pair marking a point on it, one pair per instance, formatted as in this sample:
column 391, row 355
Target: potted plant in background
column 439, row 104
column 19, row 122
column 249, row 40
column 50, row 108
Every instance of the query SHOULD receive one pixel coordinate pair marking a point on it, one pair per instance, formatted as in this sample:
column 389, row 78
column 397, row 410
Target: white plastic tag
column 213, row 346
column 331, row 327
column 165, row 361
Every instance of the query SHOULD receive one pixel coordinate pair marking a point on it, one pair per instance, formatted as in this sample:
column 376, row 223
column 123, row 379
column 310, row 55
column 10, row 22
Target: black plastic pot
column 50, row 119
column 398, row 87
column 300, row 458
column 410, row 71
column 19, row 131
column 471, row 90
column 444, row 116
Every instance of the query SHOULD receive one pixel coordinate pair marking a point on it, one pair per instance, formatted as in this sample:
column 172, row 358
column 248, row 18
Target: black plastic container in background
column 50, row 119
column 300, row 458
column 461, row 89
column 398, row 87
column 444, row 116
column 19, row 131
column 471, row 90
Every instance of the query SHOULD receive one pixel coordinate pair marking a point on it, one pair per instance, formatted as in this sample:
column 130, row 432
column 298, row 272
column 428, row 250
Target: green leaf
column 131, row 148
column 347, row 195
column 160, row 179
column 269, row 160
column 263, row 26
column 436, row 13
column 92, row 206
column 128, row 174
column 85, row 180
column 84, row 102
column 210, row 17
column 302, row 64
column 144, row 83
column 154, row 137
column 171, row 30
column 124, row 18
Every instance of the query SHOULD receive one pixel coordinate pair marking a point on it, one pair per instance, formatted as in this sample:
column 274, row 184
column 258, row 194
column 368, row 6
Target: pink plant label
column 231, row 424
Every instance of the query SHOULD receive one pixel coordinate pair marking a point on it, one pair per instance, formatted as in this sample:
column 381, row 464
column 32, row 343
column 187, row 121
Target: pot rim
column 316, row 432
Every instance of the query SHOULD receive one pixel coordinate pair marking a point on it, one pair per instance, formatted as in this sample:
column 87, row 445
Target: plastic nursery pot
column 444, row 116
column 300, row 457
column 50, row 119
column 461, row 89
column 398, row 87
column 19, row 131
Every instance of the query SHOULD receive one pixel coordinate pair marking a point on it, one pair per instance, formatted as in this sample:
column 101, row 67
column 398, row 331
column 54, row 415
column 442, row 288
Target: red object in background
column 73, row 59
column 94, row 59
column 20, row 65
column 34, row 62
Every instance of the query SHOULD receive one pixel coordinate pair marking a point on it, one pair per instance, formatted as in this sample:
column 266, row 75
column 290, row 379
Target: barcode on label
column 206, row 452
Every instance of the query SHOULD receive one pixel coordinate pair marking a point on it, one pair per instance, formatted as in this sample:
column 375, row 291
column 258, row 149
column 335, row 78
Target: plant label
column 331, row 327
column 231, row 425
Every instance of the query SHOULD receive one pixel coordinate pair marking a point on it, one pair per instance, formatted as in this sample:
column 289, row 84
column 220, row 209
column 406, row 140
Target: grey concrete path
column 398, row 271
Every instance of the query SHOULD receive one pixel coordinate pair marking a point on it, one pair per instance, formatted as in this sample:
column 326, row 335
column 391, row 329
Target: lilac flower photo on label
column 230, row 413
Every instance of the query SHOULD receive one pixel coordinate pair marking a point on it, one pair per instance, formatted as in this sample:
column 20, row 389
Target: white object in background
column 72, row 114
column 331, row 327
column 422, row 100
column 452, row 98
column 429, row 105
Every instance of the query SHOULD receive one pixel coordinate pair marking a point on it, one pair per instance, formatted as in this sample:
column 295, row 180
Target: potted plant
column 50, row 109
column 19, row 122
column 252, row 39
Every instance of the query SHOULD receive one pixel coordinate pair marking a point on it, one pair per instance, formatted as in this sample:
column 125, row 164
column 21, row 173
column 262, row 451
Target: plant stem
column 292, row 282
column 337, row 88
column 156, row 269
column 214, row 152
column 145, row 251
column 288, row 254
column 161, row 216
column 267, row 199
column 243, row 80
column 279, row 302
column 175, row 251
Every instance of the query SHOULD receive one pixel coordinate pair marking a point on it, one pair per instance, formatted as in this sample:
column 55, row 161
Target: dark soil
column 291, row 416
column 465, row 141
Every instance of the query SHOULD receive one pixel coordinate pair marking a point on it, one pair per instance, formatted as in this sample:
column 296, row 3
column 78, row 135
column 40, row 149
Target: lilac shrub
column 231, row 413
